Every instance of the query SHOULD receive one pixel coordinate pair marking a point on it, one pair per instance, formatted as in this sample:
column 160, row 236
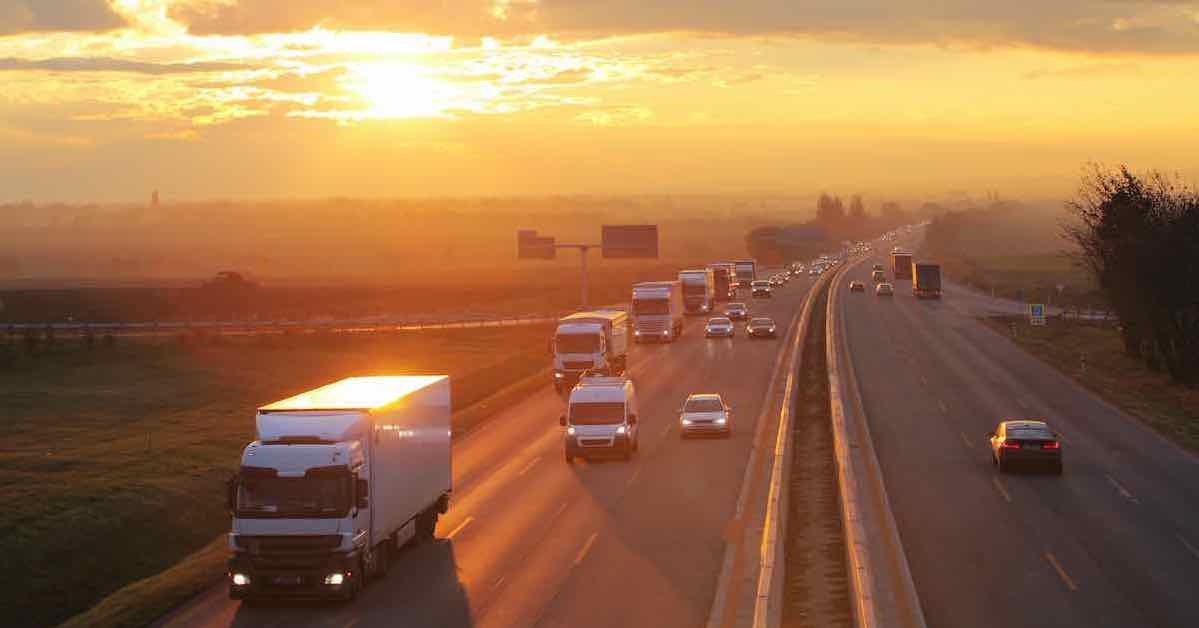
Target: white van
column 601, row 418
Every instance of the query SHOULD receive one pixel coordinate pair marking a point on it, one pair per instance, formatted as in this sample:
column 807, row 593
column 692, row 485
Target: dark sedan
column 760, row 328
column 1025, row 442
column 737, row 311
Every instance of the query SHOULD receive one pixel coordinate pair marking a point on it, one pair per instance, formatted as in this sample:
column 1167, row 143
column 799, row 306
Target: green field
column 1170, row 409
column 1027, row 277
column 113, row 459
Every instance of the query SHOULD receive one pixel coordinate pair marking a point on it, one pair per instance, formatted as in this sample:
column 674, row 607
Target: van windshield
column 597, row 413
column 577, row 343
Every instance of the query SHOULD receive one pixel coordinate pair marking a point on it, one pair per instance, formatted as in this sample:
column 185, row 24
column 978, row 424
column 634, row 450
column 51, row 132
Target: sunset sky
column 107, row 99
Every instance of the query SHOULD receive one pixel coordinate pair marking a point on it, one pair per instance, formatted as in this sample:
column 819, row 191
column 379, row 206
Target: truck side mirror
column 562, row 420
column 361, row 494
column 231, row 493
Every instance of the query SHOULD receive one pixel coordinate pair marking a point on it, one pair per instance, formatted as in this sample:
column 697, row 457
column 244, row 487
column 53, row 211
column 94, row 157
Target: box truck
column 583, row 341
column 926, row 280
column 901, row 265
column 657, row 311
column 338, row 479
column 699, row 290
column 725, row 274
column 747, row 272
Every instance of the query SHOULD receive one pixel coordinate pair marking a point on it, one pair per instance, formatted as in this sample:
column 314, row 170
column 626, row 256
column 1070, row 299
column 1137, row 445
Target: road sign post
column 617, row 241
column 1036, row 314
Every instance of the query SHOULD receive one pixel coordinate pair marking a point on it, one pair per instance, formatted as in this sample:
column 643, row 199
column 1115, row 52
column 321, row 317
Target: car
column 719, row 327
column 737, row 311
column 857, row 286
column 878, row 267
column 884, row 290
column 760, row 327
column 761, row 288
column 776, row 280
column 878, row 276
column 814, row 272
column 705, row 414
column 1026, row 442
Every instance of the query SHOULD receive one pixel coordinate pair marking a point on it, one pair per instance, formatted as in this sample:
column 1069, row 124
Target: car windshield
column 720, row 322
column 651, row 306
column 577, row 343
column 703, row 404
column 736, row 307
column 322, row 492
column 761, row 284
column 761, row 322
column 596, row 413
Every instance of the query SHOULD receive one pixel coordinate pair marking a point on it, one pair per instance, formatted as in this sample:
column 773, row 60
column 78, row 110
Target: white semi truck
column 657, row 311
column 584, row 341
column 699, row 290
column 338, row 479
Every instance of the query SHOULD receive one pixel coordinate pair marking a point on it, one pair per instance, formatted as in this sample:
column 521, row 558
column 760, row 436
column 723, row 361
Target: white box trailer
column 657, row 311
column 339, row 478
column 597, row 340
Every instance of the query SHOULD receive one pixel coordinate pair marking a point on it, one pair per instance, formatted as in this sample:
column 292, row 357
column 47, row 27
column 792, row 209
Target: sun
column 399, row 90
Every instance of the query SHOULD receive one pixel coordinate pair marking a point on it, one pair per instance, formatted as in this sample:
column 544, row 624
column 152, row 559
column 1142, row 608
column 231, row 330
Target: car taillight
column 1010, row 444
column 1051, row 445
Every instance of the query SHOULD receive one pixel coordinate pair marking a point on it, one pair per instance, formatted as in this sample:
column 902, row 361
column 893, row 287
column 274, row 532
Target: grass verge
column 1126, row 382
column 114, row 458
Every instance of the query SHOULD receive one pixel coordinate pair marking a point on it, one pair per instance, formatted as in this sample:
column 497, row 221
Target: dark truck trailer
column 901, row 265
column 725, row 275
column 926, row 280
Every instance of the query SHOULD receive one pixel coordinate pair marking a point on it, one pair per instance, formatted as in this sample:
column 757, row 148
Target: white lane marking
column 461, row 526
column 586, row 548
column 923, row 380
column 966, row 441
column 999, row 487
column 944, row 408
column 498, row 582
column 633, row 478
column 1189, row 547
column 531, row 464
column 1120, row 489
column 561, row 509
column 1061, row 572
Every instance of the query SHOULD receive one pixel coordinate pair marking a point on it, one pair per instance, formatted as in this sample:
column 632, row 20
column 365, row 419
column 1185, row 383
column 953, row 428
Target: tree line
column 1138, row 235
column 835, row 222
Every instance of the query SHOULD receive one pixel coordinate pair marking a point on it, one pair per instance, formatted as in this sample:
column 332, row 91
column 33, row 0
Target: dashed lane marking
column 586, row 548
column 531, row 464
column 1066, row 579
column 999, row 487
column 461, row 526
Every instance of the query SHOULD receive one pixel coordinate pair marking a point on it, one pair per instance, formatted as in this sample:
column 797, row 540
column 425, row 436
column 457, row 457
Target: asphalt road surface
column 530, row 540
column 1112, row 542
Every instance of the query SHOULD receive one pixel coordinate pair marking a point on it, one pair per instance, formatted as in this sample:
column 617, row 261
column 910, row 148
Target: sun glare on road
column 399, row 90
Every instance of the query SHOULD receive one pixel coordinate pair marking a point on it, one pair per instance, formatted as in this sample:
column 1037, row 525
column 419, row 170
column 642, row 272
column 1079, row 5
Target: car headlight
column 637, row 333
column 666, row 332
column 570, row 431
column 240, row 580
column 721, row 421
column 622, row 430
column 772, row 330
column 559, row 374
column 686, row 421
column 335, row 579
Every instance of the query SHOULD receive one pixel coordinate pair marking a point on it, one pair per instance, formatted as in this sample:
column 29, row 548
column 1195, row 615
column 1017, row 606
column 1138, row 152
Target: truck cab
column 601, row 419
column 657, row 311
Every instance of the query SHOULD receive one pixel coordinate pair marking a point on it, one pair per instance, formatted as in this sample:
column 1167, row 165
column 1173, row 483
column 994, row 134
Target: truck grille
column 595, row 442
column 288, row 554
column 651, row 326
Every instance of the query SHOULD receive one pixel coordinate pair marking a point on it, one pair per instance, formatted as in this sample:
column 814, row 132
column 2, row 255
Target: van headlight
column 335, row 579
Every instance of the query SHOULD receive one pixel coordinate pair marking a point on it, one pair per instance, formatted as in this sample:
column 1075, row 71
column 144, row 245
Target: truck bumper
column 249, row 580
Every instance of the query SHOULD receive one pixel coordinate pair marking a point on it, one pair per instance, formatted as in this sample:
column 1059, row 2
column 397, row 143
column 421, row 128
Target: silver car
column 705, row 414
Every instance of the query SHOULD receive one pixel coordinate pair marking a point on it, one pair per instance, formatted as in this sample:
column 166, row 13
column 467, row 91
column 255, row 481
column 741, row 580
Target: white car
column 705, row 413
column 719, row 327
column 884, row 290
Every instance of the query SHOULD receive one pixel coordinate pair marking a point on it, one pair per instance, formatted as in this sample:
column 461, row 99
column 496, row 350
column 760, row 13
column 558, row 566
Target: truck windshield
column 322, row 492
column 597, row 413
column 577, row 343
column 651, row 306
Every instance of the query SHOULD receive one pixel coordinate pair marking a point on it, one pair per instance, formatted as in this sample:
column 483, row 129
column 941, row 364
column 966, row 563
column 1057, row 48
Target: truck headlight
column 559, row 375
column 570, row 431
column 666, row 332
column 622, row 430
column 240, row 580
column 686, row 421
column 721, row 421
column 637, row 333
column 335, row 579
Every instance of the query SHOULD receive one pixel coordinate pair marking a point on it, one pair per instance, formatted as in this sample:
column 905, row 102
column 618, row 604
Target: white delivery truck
column 339, row 478
column 596, row 340
column 657, row 311
column 699, row 290
column 601, row 418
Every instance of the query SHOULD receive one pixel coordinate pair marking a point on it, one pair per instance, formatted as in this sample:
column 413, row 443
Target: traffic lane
column 1065, row 521
column 662, row 555
column 1128, row 541
column 482, row 564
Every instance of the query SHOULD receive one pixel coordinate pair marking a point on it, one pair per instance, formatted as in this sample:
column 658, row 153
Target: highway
column 530, row 540
column 1112, row 542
